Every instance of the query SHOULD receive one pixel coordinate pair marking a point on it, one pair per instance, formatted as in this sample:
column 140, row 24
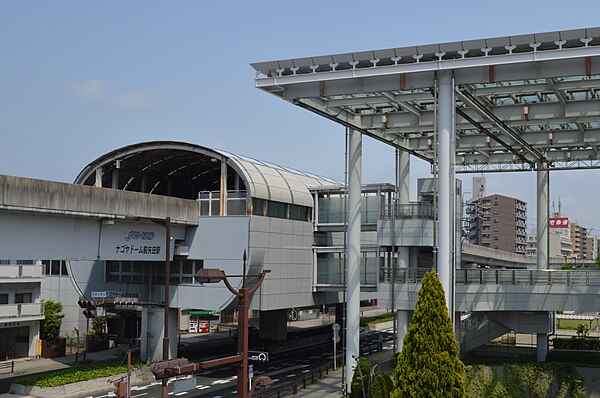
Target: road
column 281, row 368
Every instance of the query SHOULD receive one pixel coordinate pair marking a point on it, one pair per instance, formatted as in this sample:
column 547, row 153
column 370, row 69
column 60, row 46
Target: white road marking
column 181, row 393
column 201, row 387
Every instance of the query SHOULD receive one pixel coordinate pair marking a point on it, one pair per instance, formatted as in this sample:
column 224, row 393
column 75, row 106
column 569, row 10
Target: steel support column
column 542, row 218
column 223, row 189
column 447, row 186
column 353, row 255
column 403, row 198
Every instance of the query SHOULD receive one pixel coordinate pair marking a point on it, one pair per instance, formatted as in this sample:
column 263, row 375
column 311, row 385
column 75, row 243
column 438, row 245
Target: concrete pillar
column 542, row 217
column 403, row 319
column 152, row 334
column 403, row 177
column 447, row 186
column 223, row 189
column 115, row 175
column 99, row 173
column 353, row 256
column 34, row 336
column 143, row 184
column 273, row 325
column 542, row 347
column 403, row 198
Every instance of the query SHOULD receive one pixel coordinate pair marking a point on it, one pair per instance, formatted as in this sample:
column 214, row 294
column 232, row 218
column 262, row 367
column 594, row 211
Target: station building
column 289, row 222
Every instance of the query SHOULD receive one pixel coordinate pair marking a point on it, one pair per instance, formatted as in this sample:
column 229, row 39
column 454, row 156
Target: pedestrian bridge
column 504, row 290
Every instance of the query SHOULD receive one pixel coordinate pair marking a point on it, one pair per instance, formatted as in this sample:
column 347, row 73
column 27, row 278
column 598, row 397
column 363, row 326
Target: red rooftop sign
column 562, row 222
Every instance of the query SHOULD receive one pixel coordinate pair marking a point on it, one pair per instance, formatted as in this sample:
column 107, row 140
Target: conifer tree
column 360, row 381
column 428, row 365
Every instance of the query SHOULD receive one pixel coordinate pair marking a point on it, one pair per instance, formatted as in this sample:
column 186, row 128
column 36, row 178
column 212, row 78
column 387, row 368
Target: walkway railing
column 412, row 210
column 506, row 276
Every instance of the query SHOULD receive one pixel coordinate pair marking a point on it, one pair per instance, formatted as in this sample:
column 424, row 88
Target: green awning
column 204, row 312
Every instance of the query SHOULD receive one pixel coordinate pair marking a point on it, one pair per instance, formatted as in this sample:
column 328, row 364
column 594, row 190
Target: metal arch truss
column 522, row 102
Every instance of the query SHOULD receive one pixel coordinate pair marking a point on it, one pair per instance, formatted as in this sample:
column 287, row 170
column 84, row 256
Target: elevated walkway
column 26, row 195
column 504, row 290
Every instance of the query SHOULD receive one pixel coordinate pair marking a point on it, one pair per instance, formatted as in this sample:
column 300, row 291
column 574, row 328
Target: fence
column 8, row 365
column 292, row 387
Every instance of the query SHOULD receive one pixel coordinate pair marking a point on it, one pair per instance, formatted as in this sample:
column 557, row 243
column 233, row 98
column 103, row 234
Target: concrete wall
column 285, row 248
column 408, row 232
column 17, row 193
column 61, row 289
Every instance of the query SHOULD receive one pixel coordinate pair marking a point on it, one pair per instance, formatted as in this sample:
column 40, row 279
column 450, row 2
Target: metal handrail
column 506, row 276
column 292, row 387
column 412, row 210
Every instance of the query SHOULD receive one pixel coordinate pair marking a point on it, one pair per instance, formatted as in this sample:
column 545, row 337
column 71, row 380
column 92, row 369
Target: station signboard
column 134, row 241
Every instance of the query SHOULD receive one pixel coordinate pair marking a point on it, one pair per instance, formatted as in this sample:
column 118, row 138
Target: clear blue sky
column 81, row 78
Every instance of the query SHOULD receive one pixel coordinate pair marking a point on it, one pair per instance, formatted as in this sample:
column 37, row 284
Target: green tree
column 428, row 365
column 382, row 386
column 53, row 315
column 597, row 263
column 360, row 380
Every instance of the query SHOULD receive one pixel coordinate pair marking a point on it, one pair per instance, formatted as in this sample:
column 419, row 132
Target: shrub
column 588, row 344
column 50, row 326
column 360, row 380
column 382, row 386
column 74, row 375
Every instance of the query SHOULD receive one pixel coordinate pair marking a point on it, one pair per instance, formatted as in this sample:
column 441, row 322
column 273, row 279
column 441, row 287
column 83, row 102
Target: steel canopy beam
column 480, row 108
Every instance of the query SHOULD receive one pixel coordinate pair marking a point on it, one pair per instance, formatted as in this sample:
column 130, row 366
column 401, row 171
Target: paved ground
column 329, row 387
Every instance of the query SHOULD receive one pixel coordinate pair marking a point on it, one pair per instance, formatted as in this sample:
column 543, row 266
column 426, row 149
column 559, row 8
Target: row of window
column 270, row 208
column 51, row 267
column 182, row 271
column 20, row 298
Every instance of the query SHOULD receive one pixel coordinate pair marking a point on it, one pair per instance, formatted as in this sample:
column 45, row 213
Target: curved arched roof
column 182, row 170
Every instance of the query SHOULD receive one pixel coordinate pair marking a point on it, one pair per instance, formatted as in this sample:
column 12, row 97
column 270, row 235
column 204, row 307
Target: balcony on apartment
column 21, row 312
column 12, row 273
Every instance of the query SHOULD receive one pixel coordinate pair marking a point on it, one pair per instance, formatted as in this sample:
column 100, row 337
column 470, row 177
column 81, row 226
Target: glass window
column 55, row 267
column 277, row 209
column 46, row 264
column 258, row 207
column 63, row 268
column 299, row 213
column 187, row 268
column 3, row 298
column 22, row 298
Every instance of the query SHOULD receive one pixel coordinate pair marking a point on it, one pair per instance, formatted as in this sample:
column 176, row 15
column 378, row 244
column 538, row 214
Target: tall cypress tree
column 428, row 365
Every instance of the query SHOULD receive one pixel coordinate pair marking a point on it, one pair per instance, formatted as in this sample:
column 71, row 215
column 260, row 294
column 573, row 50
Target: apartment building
column 21, row 308
column 498, row 222
column 579, row 241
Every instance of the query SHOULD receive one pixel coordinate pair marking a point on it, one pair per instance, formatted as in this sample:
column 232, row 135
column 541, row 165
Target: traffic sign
column 336, row 338
column 336, row 327
column 260, row 356
column 250, row 370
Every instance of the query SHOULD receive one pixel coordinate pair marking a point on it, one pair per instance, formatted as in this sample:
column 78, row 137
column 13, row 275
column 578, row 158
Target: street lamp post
column 165, row 350
column 216, row 275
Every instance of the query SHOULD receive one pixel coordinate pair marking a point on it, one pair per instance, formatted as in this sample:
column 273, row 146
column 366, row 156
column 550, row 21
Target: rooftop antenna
column 559, row 205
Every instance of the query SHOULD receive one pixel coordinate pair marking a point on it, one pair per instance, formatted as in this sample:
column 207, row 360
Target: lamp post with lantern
column 213, row 275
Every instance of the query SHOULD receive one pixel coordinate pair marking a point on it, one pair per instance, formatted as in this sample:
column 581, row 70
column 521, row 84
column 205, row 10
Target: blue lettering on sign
column 143, row 235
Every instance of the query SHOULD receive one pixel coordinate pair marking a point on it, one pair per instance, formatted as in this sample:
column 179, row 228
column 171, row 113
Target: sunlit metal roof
column 521, row 101
column 182, row 170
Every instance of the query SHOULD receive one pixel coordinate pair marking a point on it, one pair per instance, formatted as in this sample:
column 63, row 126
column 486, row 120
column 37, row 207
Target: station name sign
column 133, row 241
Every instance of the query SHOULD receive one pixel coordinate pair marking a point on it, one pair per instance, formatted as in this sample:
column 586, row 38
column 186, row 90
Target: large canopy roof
column 522, row 102
column 182, row 170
